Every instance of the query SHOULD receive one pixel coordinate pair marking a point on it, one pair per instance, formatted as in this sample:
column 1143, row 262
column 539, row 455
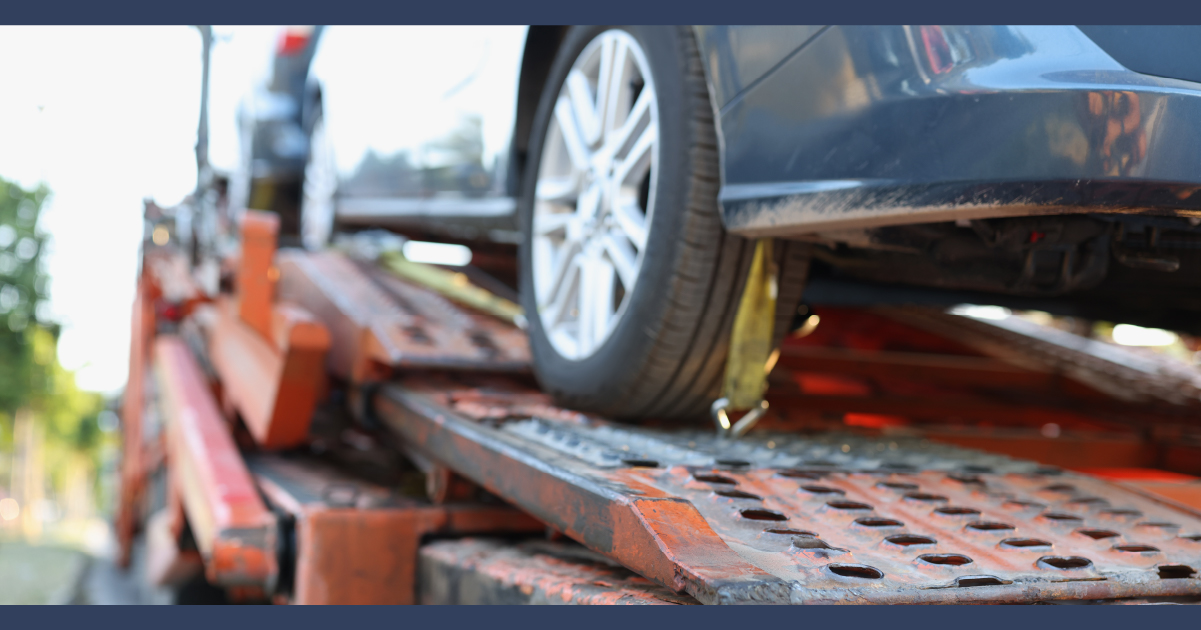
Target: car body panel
column 421, row 118
column 870, row 126
column 735, row 57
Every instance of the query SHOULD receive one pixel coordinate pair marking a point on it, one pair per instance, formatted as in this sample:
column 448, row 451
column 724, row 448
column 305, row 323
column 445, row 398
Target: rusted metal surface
column 357, row 542
column 273, row 382
column 379, row 322
column 233, row 529
column 786, row 523
column 1119, row 372
column 482, row 571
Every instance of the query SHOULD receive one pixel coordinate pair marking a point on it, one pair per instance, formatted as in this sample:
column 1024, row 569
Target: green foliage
column 23, row 285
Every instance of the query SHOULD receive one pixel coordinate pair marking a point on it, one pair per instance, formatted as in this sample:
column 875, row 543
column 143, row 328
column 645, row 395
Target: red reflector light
column 294, row 40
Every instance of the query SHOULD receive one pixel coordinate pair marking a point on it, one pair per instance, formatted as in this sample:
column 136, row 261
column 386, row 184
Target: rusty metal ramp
column 830, row 518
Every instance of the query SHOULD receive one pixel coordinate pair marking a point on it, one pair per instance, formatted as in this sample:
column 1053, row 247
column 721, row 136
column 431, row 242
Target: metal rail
column 733, row 527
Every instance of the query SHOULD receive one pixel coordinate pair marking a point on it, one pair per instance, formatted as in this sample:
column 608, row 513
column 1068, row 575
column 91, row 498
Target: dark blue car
column 1056, row 168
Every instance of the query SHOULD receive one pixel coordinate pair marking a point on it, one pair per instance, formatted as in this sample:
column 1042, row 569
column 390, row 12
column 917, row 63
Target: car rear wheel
column 628, row 280
column 320, row 184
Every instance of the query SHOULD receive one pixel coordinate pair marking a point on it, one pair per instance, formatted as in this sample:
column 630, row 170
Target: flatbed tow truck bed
column 332, row 432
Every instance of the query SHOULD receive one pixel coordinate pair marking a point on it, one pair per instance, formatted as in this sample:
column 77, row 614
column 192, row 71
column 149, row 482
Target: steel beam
column 356, row 542
column 233, row 528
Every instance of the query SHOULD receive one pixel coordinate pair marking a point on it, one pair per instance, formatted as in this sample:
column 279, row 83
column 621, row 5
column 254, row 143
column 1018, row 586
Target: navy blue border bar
column 599, row 11
column 610, row 618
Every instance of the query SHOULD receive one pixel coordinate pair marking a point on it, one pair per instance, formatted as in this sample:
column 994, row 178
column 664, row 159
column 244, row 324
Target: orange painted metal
column 273, row 382
column 233, row 528
column 256, row 278
column 356, row 542
column 730, row 522
column 133, row 471
column 379, row 323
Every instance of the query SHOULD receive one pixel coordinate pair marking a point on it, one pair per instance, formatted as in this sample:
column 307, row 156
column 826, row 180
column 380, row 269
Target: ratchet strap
column 750, row 347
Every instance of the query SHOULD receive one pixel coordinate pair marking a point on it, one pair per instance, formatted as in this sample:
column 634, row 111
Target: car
column 636, row 167
column 274, row 136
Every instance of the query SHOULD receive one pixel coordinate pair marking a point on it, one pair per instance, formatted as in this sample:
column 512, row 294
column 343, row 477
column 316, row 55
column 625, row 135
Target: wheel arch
column 541, row 45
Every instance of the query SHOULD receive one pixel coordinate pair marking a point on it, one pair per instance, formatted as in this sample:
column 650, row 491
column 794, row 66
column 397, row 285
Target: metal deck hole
column 1023, row 505
column 641, row 463
column 1193, row 537
column 1060, row 488
column 965, row 478
column 909, row 540
column 976, row 468
column 1061, row 517
column 897, row 466
column 951, row 559
column 1048, row 470
column 737, row 494
column 956, row 511
column 848, row 505
column 861, row 571
column 923, row 496
column 810, row 542
column 1120, row 513
column 980, row 580
column 732, row 463
column 1064, row 562
column 1088, row 503
column 823, row 463
column 1158, row 525
column 799, row 474
column 878, row 521
column 1097, row 534
column 1024, row 543
column 1176, row 571
column 1136, row 548
column 815, row 489
column 760, row 514
column 709, row 478
column 897, row 485
column 789, row 532
column 989, row 526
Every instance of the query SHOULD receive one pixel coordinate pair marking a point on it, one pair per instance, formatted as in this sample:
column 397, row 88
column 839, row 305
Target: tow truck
column 348, row 426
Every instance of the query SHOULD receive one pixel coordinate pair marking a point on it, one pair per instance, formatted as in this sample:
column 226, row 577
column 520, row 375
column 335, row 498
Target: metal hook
column 729, row 431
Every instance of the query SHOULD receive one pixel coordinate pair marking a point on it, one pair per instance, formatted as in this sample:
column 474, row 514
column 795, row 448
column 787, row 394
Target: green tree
column 23, row 286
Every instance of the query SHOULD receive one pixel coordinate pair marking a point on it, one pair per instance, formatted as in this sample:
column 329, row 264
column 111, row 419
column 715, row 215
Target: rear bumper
column 924, row 124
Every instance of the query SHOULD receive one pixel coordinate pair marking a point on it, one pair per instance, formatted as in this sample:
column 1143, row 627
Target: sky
column 106, row 117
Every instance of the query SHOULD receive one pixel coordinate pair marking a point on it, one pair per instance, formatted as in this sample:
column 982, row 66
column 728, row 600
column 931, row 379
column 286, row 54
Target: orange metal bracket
column 270, row 358
column 233, row 528
column 357, row 543
column 273, row 382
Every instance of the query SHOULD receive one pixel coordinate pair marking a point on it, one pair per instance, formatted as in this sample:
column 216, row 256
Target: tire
column 665, row 354
column 317, row 213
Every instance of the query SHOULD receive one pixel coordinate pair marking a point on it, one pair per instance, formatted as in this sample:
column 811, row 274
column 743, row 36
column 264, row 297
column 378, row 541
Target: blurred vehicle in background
column 274, row 136
column 1048, row 168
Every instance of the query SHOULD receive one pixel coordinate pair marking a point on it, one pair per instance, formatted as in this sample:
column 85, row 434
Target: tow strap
column 750, row 354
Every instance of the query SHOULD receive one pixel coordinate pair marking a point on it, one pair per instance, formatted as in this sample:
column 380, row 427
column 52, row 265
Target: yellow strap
column 750, row 341
column 453, row 285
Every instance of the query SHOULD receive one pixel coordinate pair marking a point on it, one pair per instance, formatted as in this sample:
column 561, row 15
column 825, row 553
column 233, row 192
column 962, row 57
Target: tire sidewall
column 611, row 368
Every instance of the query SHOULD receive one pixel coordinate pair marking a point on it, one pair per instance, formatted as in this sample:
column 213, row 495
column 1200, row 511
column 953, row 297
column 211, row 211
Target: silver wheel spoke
column 625, row 260
column 584, row 106
column 560, row 190
column 549, row 222
column 639, row 157
column 590, row 228
column 632, row 223
column 639, row 112
column 576, row 147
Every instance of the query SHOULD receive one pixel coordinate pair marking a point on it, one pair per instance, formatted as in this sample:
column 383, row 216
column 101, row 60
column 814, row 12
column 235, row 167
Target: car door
column 419, row 119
